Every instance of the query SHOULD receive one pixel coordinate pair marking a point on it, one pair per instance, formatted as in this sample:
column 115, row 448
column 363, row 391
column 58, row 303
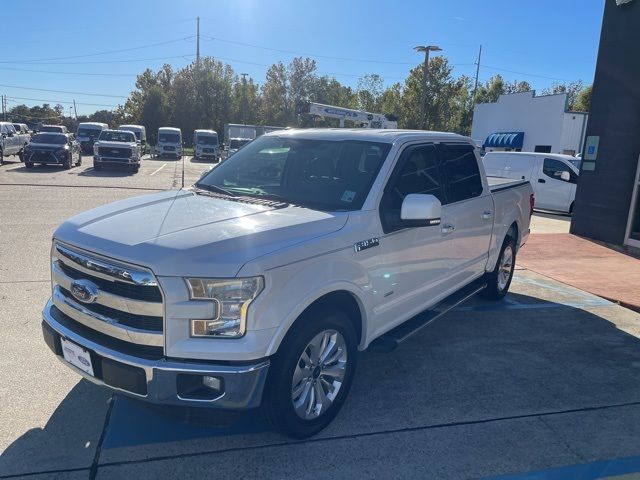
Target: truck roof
column 369, row 134
column 94, row 124
column 137, row 127
column 205, row 131
column 170, row 129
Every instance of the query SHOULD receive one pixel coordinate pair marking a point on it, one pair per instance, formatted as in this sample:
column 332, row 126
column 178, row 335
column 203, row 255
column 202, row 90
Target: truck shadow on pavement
column 482, row 363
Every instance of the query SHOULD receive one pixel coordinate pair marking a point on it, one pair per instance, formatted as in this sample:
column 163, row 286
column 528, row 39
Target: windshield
column 17, row 127
column 88, row 132
column 51, row 128
column 576, row 163
column 207, row 140
column 117, row 136
column 321, row 174
column 49, row 138
column 169, row 138
column 238, row 142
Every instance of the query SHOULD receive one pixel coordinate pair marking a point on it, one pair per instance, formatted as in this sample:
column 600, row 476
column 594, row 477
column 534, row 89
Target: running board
column 390, row 340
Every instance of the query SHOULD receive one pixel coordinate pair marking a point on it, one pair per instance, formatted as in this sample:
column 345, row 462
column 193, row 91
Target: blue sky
column 541, row 41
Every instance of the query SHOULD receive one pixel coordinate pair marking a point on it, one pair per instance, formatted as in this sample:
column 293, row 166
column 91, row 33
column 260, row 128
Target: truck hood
column 180, row 233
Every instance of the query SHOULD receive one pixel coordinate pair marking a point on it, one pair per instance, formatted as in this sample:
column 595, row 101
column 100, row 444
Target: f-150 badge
column 364, row 244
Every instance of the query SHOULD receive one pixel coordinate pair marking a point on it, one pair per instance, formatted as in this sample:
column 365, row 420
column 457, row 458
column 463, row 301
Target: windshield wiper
column 216, row 189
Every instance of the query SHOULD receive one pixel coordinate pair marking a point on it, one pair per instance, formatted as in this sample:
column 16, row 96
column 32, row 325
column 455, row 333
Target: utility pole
column 198, row 40
column 425, row 71
column 475, row 87
column 74, row 109
column 244, row 98
column 4, row 103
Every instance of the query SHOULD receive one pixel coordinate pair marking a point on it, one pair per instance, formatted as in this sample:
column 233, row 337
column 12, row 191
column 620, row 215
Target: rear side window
column 460, row 170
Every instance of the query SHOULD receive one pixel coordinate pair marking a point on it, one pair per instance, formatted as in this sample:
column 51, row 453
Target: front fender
column 290, row 290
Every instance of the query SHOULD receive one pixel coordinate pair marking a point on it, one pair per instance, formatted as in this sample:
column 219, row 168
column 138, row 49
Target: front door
column 553, row 193
column 416, row 261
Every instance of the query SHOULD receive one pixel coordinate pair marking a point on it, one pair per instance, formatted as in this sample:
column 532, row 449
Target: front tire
column 69, row 163
column 28, row 165
column 499, row 280
column 310, row 376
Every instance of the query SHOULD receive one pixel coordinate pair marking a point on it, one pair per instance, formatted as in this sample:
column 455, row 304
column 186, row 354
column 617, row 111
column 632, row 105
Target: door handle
column 448, row 228
column 487, row 215
column 542, row 180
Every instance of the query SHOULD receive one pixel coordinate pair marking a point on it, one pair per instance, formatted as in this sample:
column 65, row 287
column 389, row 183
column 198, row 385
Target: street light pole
column 425, row 71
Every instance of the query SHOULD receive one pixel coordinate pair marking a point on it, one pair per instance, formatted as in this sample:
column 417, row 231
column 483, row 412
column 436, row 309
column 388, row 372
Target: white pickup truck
column 259, row 285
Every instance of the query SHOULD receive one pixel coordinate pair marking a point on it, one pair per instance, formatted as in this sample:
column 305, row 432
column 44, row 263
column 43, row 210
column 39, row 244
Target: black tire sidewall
column 493, row 291
column 277, row 403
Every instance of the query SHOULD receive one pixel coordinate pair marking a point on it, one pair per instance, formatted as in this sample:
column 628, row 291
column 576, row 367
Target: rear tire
column 69, row 163
column 499, row 280
column 310, row 376
column 79, row 162
column 28, row 165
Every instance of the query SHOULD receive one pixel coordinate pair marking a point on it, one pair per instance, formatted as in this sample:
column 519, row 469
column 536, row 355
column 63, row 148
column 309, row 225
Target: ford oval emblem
column 84, row 291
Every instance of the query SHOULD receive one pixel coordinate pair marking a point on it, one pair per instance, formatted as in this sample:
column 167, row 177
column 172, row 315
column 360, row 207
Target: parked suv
column 53, row 149
column 117, row 147
column 258, row 285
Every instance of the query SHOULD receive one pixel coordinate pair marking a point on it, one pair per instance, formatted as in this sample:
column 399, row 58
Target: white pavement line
column 163, row 165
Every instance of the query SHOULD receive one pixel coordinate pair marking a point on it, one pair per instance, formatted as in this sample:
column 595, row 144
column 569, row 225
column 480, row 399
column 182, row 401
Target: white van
column 88, row 133
column 205, row 144
column 553, row 176
column 141, row 135
column 169, row 142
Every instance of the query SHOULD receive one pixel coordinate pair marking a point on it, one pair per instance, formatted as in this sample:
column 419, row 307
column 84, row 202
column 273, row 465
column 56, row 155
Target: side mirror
column 419, row 210
column 565, row 176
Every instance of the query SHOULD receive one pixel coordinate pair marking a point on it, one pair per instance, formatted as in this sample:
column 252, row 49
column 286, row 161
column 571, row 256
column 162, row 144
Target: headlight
column 95, row 148
column 232, row 296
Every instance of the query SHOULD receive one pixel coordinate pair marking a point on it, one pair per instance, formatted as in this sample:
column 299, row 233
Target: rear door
column 469, row 206
column 552, row 192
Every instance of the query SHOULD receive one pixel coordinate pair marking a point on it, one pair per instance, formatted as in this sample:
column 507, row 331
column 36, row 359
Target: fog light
column 213, row 383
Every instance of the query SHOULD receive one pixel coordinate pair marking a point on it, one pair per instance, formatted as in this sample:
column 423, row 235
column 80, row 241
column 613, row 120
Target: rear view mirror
column 566, row 176
column 421, row 210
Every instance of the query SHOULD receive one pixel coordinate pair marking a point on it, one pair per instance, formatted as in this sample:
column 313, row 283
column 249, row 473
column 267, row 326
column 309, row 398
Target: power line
column 185, row 56
column 64, row 91
column 71, row 73
column 108, row 52
column 60, row 101
column 527, row 74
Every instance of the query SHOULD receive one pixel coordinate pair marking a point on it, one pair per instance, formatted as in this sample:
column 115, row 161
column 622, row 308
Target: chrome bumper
column 118, row 160
column 243, row 384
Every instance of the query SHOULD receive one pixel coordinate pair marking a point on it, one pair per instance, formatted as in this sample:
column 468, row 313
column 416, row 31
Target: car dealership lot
column 546, row 379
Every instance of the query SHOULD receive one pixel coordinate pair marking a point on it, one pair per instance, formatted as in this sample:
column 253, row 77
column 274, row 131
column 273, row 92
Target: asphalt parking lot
column 542, row 385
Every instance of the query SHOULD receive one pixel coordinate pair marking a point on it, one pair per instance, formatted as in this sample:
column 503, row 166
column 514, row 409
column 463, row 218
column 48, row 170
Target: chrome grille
column 113, row 298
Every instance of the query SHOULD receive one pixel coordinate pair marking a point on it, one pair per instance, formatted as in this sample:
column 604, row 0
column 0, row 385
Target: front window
column 320, row 174
column 117, row 136
column 207, row 140
column 18, row 128
column 49, row 138
column 169, row 138
column 236, row 143
column 92, row 133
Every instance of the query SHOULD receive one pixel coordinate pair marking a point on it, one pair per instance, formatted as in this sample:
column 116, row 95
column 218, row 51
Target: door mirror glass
column 421, row 209
column 565, row 176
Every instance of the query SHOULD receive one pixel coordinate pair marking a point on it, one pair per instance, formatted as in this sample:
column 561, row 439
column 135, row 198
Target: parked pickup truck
column 117, row 147
column 258, row 285
column 11, row 142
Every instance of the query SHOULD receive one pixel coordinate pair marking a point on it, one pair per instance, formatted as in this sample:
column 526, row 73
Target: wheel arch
column 340, row 297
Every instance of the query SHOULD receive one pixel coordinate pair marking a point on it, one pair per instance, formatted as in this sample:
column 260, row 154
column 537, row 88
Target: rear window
column 49, row 138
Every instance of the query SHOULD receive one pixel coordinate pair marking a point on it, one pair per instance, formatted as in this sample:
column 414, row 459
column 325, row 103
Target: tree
column 275, row 99
column 369, row 93
column 155, row 112
column 390, row 103
column 572, row 89
column 583, row 101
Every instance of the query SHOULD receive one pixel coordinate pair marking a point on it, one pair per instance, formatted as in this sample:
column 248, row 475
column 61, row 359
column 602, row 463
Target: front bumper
column 155, row 378
column 115, row 160
column 46, row 157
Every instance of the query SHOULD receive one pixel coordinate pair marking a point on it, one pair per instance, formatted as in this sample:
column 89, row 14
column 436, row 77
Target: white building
column 529, row 123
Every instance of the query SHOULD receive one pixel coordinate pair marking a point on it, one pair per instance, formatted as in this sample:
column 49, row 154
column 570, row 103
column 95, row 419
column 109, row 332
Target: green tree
column 155, row 112
column 572, row 89
column 369, row 92
column 275, row 98
column 583, row 100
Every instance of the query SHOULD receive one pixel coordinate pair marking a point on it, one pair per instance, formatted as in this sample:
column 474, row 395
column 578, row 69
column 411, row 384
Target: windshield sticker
column 348, row 196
